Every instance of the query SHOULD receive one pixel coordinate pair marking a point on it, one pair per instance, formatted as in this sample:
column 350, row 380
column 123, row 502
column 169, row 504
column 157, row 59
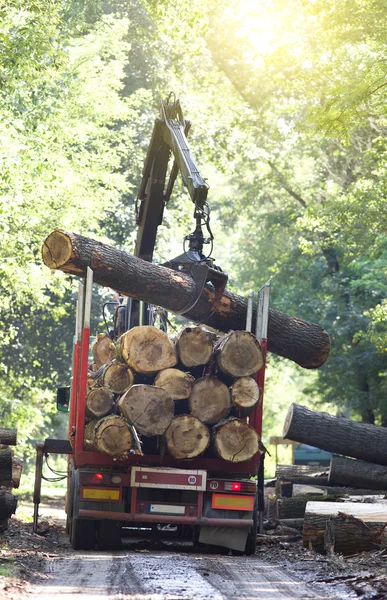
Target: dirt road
column 143, row 575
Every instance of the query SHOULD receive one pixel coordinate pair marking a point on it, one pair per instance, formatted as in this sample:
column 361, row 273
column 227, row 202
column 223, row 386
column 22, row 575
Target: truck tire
column 109, row 535
column 82, row 531
column 83, row 534
column 251, row 542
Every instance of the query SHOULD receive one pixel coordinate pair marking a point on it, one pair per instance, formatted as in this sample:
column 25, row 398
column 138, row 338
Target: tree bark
column 17, row 468
column 357, row 473
column 99, row 402
column 146, row 350
column 303, row 474
column 210, row 400
column 194, row 346
column 336, row 434
column 103, row 349
column 175, row 382
column 8, row 437
column 110, row 435
column 294, row 508
column 235, row 441
column 148, row 408
column 187, row 437
column 245, row 395
column 352, row 527
column 305, row 343
column 239, row 354
column 5, row 465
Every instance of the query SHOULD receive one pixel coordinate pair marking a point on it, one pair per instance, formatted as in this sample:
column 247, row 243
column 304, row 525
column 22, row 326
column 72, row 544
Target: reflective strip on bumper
column 232, row 502
column 111, row 494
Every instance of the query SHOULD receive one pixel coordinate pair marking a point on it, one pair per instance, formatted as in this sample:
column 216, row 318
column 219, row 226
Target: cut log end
column 177, row 383
column 288, row 422
column 245, row 395
column 99, row 402
column 210, row 400
column 187, row 437
column 57, row 249
column 147, row 350
column 111, row 435
column 194, row 346
column 235, row 441
column 239, row 354
column 148, row 408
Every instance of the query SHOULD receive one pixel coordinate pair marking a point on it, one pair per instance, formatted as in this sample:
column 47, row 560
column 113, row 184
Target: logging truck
column 215, row 494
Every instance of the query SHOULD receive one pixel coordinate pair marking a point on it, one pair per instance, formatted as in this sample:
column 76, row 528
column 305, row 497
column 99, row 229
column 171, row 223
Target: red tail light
column 98, row 476
column 236, row 487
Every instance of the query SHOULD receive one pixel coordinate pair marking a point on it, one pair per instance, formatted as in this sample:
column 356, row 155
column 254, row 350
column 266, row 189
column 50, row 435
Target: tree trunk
column 357, row 473
column 194, row 346
column 146, row 350
column 303, row 474
column 294, row 508
column 351, row 527
column 148, row 408
column 187, row 437
column 245, row 395
column 235, row 441
column 110, row 435
column 239, row 354
column 175, row 382
column 8, row 437
column 99, row 402
column 336, row 434
column 117, row 377
column 210, row 400
column 5, row 465
column 305, row 343
column 8, row 505
column 103, row 349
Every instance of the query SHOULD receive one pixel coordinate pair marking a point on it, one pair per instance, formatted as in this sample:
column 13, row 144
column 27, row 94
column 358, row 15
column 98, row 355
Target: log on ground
column 210, row 400
column 177, row 383
column 194, row 346
column 187, row 437
column 305, row 343
column 235, row 441
column 8, row 504
column 336, row 434
column 5, row 465
column 146, row 350
column 239, row 354
column 110, row 435
column 357, row 473
column 350, row 527
column 148, row 408
column 8, row 437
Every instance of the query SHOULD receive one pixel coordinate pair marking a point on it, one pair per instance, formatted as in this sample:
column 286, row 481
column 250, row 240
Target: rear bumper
column 146, row 518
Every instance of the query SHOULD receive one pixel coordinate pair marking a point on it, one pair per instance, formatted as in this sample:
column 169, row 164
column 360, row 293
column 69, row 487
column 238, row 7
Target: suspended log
column 149, row 408
column 336, row 434
column 187, row 437
column 177, row 383
column 350, row 527
column 117, row 377
column 239, row 354
column 110, row 435
column 210, row 400
column 146, row 350
column 303, row 474
column 99, row 402
column 357, row 473
column 8, row 437
column 103, row 349
column 194, row 346
column 305, row 343
column 245, row 395
column 8, row 504
column 235, row 441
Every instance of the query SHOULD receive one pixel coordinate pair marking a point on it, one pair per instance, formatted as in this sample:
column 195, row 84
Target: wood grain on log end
column 148, row 408
column 235, row 441
column 57, row 249
column 187, row 437
column 177, row 383
column 210, row 400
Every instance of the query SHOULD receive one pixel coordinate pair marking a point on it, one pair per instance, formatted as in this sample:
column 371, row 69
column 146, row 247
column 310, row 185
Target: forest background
column 288, row 112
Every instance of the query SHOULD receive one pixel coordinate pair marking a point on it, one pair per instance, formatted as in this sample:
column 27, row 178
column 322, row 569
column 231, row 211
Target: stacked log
column 356, row 481
column 10, row 474
column 191, row 391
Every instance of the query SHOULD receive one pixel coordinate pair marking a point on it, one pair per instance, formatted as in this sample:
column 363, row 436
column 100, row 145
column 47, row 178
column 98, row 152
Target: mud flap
column 234, row 538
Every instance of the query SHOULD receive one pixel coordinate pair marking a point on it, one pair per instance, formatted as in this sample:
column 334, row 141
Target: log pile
column 184, row 397
column 343, row 507
column 10, row 474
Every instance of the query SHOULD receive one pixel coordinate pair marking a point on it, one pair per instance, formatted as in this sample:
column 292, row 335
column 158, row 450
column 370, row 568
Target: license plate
column 166, row 509
column 232, row 502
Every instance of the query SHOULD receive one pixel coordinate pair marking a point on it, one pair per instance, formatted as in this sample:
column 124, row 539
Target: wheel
column 82, row 531
column 251, row 542
column 109, row 535
column 82, row 535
